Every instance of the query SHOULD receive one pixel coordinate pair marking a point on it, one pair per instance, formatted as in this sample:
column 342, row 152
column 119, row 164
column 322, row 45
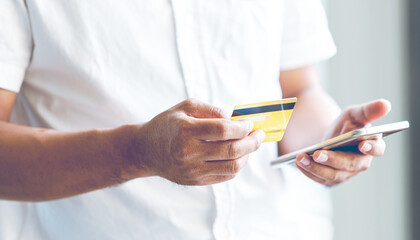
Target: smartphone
column 346, row 140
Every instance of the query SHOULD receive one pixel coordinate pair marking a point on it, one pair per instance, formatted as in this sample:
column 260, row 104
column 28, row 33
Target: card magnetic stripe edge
column 263, row 109
column 272, row 117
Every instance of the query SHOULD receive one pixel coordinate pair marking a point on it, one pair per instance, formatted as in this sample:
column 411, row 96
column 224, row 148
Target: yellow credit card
column 271, row 117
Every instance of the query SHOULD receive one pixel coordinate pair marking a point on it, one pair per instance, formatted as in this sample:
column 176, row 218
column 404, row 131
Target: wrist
column 126, row 144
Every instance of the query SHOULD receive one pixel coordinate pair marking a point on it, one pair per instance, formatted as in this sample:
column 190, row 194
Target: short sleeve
column 306, row 37
column 15, row 44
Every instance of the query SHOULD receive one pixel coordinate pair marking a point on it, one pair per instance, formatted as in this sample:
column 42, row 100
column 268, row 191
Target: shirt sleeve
column 15, row 43
column 306, row 37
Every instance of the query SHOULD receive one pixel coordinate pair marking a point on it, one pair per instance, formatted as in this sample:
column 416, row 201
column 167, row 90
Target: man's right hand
column 195, row 144
column 191, row 144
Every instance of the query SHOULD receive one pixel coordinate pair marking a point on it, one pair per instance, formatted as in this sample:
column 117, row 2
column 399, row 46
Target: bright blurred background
column 377, row 57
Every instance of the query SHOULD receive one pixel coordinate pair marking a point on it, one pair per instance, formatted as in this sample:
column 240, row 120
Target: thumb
column 199, row 109
column 369, row 112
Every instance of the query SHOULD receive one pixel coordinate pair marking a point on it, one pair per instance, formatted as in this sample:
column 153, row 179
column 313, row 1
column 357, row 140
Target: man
column 95, row 80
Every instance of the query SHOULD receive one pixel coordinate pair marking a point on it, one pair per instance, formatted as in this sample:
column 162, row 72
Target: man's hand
column 195, row 144
column 333, row 167
column 191, row 143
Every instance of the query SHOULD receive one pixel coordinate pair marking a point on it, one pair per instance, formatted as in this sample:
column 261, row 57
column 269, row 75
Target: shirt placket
column 190, row 51
column 197, row 85
column 222, row 227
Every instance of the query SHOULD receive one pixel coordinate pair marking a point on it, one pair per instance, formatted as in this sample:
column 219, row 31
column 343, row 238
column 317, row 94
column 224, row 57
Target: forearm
column 313, row 115
column 40, row 164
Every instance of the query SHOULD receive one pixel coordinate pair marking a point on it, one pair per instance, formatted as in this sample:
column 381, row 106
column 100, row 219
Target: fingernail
column 251, row 126
column 261, row 136
column 388, row 104
column 305, row 161
column 366, row 148
column 322, row 157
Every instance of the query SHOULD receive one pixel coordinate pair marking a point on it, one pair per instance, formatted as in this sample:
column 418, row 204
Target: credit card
column 271, row 117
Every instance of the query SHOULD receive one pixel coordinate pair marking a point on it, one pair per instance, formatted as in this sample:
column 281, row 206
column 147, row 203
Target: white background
column 371, row 63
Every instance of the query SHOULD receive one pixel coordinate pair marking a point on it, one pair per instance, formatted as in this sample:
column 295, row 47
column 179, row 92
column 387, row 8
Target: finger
column 369, row 112
column 206, row 180
column 374, row 148
column 226, row 167
column 313, row 177
column 331, row 175
column 221, row 129
column 346, row 161
column 214, row 179
column 350, row 126
column 233, row 149
column 198, row 109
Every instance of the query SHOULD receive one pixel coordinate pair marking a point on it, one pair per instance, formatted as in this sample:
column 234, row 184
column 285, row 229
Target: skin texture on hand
column 192, row 143
column 334, row 167
column 196, row 144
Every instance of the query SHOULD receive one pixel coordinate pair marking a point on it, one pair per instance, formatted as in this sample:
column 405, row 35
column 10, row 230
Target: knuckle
column 347, row 111
column 352, row 165
column 190, row 102
column 219, row 111
column 336, row 178
column 233, row 150
column 221, row 130
column 189, row 105
column 366, row 165
column 350, row 108
column 235, row 167
column 184, row 127
column 229, row 177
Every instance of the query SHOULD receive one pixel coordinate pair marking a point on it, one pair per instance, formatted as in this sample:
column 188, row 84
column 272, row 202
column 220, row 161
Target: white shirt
column 101, row 63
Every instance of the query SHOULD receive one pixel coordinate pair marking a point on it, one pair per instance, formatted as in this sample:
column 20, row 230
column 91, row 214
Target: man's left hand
column 332, row 167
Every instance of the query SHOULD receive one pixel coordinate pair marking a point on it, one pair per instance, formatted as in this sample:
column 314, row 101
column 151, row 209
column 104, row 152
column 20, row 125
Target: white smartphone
column 346, row 140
